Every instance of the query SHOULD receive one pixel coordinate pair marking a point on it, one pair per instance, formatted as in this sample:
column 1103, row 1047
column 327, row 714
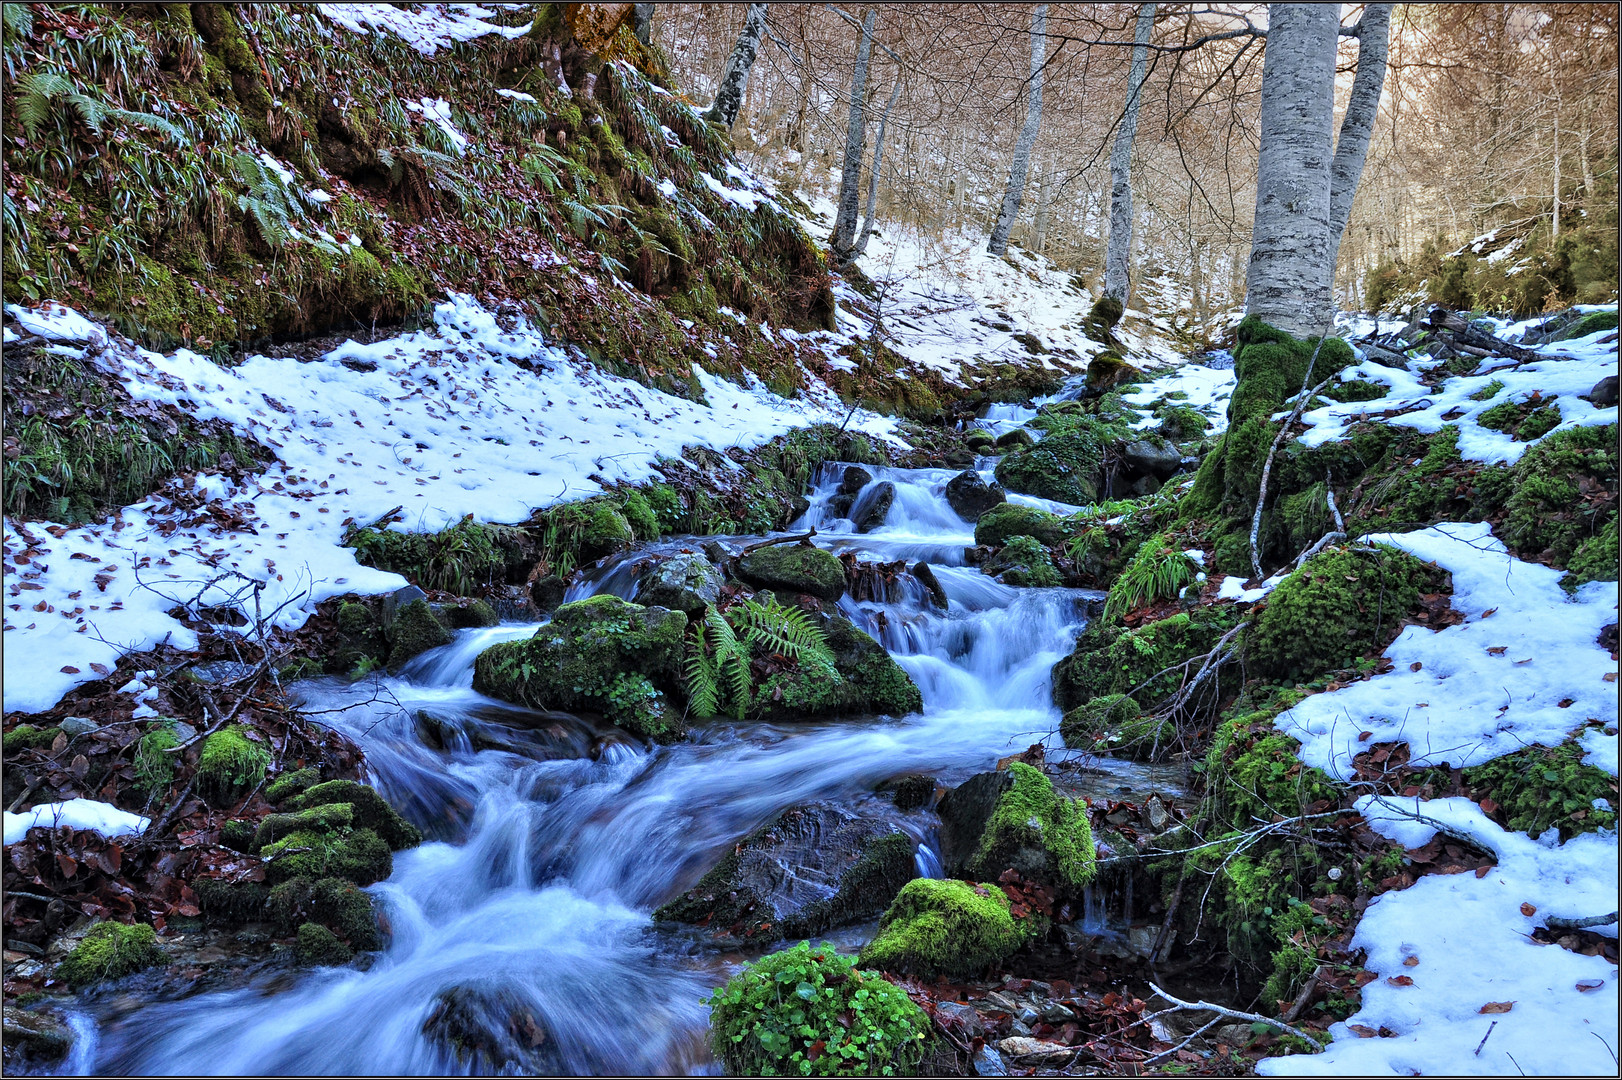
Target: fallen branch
column 800, row 539
column 1556, row 922
column 1179, row 1005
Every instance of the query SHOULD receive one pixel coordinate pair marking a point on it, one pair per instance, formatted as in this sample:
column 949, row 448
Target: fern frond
column 783, row 630
column 149, row 120
column 739, row 682
column 703, row 685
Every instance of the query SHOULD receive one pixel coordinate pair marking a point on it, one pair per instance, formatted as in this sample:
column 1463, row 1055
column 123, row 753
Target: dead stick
column 1236, row 1014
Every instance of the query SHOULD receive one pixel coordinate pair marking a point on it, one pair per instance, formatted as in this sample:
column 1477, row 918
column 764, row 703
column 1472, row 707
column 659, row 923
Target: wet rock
column 961, row 1017
column 964, row 812
column 865, row 681
column 797, row 568
column 596, row 655
column 811, row 868
column 491, row 1029
column 980, row 440
column 987, row 1062
column 466, row 614
column 1603, row 395
column 926, row 577
column 854, row 480
column 714, row 552
column 369, row 809
column 912, row 791
column 1155, row 810
column 398, row 600
column 873, row 506
column 685, row 582
column 970, row 496
column 547, row 593
column 413, row 631
column 1151, row 457
column 1016, row 820
column 1007, row 520
column 1015, row 439
column 34, row 1035
column 1038, row 1052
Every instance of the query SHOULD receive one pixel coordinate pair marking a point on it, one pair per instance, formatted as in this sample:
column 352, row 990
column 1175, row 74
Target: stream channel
column 551, row 840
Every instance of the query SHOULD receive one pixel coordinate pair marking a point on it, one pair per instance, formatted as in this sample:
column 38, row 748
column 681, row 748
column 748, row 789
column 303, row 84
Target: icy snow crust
column 435, row 27
column 1483, row 688
column 466, row 418
column 76, row 814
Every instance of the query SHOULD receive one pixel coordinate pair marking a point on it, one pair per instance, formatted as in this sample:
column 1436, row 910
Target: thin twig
column 1179, row 1005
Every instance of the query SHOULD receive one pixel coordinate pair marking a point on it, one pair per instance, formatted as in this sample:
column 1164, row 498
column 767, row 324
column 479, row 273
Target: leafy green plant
column 40, row 94
column 154, row 767
column 267, row 202
column 721, row 648
column 809, row 1012
column 1157, row 572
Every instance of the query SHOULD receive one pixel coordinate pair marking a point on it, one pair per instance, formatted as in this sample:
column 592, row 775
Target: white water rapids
column 551, row 841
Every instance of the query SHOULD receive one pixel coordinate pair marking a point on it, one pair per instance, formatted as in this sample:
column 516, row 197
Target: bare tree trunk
column 1027, row 136
column 1288, row 280
column 1044, row 211
column 1120, row 164
column 735, row 79
column 850, row 180
column 878, row 159
column 642, row 18
column 1373, row 34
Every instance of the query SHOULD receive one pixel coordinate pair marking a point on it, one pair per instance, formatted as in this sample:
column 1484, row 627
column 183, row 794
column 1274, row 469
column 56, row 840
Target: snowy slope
column 467, row 418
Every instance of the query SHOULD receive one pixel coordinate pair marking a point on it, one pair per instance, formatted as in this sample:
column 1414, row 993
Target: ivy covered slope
column 218, row 175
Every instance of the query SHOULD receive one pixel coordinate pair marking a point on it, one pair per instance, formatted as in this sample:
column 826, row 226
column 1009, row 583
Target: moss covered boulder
column 1015, row 820
column 334, row 903
column 1113, row 724
column 357, row 855
column 809, row 869
column 1005, row 521
column 794, row 568
column 686, row 582
column 414, row 630
column 1067, row 466
column 807, row 1011
column 1023, row 561
column 110, row 951
column 232, row 764
column 368, row 809
column 954, row 929
column 599, row 655
column 1344, row 603
column 1112, row 659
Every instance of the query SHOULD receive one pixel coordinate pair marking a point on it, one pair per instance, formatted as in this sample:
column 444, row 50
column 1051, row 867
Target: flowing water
column 551, row 840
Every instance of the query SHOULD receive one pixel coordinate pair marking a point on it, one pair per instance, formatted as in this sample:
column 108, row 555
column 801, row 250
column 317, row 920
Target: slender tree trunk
column 1288, row 280
column 643, row 23
column 878, row 159
column 735, row 79
column 1373, row 35
column 850, row 180
column 1120, row 164
column 1043, row 210
column 1027, row 136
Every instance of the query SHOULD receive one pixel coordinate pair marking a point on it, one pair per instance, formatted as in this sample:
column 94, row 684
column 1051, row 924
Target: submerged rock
column 874, row 505
column 794, row 568
column 811, row 868
column 492, row 1029
column 685, row 582
column 31, row 1035
column 970, row 496
column 600, row 655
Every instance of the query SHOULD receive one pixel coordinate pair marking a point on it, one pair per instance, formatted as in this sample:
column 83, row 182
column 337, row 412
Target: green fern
column 266, row 200
column 1157, row 572
column 782, row 630
column 40, row 93
column 703, row 681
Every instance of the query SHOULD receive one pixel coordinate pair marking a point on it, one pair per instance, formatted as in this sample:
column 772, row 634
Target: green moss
column 154, row 766
column 808, row 1012
column 1066, row 466
column 1037, row 831
column 475, row 614
column 1270, row 366
column 1252, row 772
column 1023, row 561
column 1592, row 323
column 935, row 928
column 355, row 618
column 1594, row 560
column 318, row 946
column 360, row 856
column 1543, row 787
column 1488, row 392
column 1544, row 515
column 1343, row 604
column 1114, row 724
column 332, row 818
column 414, row 631
column 795, row 568
column 238, row 835
column 1110, row 659
column 369, row 809
column 302, row 667
column 230, row 765
column 1293, row 962
column 29, row 737
column 289, row 784
column 1005, row 521
column 600, row 654
column 1524, row 420
column 110, row 951
column 333, row 902
column 883, row 684
column 230, row 903
column 461, row 558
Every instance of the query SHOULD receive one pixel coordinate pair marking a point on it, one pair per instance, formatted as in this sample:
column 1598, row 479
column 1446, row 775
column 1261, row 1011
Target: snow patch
column 434, row 27
column 75, row 814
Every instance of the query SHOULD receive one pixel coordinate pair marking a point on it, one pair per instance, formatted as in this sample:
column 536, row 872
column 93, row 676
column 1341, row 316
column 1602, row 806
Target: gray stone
column 926, row 577
column 398, row 599
column 964, row 812
column 1603, row 395
column 855, row 479
column 684, row 582
column 1028, row 1051
column 78, row 725
column 970, row 496
column 42, row 1035
column 989, row 1063
column 1018, row 437
column 547, row 593
column 961, row 1016
column 1151, row 457
column 874, row 504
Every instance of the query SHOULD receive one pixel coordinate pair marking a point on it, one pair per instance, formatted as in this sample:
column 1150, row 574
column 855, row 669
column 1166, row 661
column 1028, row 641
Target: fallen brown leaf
column 1497, row 1007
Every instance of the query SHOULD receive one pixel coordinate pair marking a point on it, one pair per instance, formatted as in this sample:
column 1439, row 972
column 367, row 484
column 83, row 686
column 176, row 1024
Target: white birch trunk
column 873, row 175
column 850, row 180
column 1373, row 35
column 735, row 78
column 1117, row 261
column 1288, row 280
column 1027, row 136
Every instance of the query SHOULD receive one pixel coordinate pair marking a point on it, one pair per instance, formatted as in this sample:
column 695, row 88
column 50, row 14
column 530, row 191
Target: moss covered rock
column 1023, row 561
column 30, row 737
column 318, row 946
column 328, row 818
column 1112, row 659
column 955, row 929
column 1066, row 466
column 360, row 856
column 807, row 1011
column 600, row 654
column 415, row 630
column 468, row 614
column 231, row 765
column 336, row 904
column 110, row 951
column 686, row 582
column 795, row 568
column 1005, row 521
column 1014, row 819
column 289, row 784
column 1342, row 604
column 369, row 809
column 1113, row 724
column 807, row 870
column 1270, row 365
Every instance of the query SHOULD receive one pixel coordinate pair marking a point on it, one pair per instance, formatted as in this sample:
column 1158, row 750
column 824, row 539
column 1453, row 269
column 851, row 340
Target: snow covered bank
column 470, row 417
column 75, row 814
